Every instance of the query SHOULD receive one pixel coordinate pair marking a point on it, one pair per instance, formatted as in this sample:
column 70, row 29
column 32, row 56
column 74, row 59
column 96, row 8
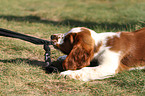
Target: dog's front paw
column 74, row 74
column 67, row 73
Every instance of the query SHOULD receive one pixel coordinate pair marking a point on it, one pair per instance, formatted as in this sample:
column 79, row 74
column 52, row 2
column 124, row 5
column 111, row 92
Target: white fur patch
column 103, row 36
column 60, row 39
column 74, row 30
column 118, row 34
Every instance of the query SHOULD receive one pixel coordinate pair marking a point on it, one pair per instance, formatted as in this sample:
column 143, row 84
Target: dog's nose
column 53, row 37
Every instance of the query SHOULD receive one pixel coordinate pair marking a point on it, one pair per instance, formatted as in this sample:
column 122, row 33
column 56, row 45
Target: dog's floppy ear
column 79, row 57
column 81, row 53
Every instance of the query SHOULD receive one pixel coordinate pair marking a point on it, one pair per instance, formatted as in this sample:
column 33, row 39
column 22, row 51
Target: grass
column 21, row 71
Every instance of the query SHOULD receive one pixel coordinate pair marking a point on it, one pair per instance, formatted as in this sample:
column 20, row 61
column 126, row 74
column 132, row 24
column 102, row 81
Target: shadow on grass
column 55, row 64
column 72, row 23
column 22, row 60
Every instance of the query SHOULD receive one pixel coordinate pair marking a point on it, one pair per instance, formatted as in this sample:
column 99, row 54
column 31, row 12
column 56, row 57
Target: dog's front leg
column 109, row 62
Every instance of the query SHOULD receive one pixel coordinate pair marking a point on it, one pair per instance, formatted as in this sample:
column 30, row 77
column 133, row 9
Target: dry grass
column 21, row 71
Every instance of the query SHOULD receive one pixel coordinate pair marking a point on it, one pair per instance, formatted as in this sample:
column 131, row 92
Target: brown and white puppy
column 115, row 52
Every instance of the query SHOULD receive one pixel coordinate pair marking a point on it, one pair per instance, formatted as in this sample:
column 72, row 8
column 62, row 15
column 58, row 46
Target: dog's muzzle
column 56, row 38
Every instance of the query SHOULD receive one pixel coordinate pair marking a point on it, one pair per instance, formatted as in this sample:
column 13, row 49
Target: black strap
column 34, row 40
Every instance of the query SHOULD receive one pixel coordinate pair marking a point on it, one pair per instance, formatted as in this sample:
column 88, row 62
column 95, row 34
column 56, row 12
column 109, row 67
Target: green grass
column 21, row 71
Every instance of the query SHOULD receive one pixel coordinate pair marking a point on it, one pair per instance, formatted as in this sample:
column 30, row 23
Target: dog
column 115, row 52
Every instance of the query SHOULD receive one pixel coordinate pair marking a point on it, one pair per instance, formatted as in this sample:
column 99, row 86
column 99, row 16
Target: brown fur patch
column 132, row 48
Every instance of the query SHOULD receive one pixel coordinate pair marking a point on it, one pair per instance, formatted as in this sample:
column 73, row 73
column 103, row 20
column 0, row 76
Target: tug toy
column 34, row 40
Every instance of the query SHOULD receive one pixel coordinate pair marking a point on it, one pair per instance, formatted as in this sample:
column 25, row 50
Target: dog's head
column 78, row 44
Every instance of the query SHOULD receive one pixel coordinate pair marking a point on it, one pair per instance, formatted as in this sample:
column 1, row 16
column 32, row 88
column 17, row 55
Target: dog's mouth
column 54, row 39
column 54, row 42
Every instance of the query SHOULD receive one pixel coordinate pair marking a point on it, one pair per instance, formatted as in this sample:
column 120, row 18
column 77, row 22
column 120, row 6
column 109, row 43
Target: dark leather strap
column 34, row 40
column 12, row 34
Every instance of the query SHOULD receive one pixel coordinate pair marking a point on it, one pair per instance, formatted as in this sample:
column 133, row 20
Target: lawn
column 21, row 63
